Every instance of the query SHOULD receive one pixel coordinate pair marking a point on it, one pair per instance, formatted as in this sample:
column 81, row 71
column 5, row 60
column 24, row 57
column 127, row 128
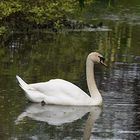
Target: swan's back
column 58, row 91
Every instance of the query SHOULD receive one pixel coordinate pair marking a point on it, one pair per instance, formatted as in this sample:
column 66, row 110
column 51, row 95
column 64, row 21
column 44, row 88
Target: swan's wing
column 59, row 91
column 31, row 93
column 58, row 87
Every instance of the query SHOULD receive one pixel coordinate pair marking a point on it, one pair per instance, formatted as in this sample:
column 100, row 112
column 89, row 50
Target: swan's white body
column 62, row 92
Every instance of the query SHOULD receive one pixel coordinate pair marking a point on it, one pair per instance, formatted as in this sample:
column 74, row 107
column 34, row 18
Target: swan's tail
column 22, row 84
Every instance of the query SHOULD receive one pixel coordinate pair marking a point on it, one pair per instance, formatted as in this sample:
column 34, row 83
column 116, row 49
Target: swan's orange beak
column 102, row 61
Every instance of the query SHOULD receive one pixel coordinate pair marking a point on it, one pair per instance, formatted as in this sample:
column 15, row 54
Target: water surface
column 40, row 56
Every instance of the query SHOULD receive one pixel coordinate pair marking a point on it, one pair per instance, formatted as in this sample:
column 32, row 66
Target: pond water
column 40, row 56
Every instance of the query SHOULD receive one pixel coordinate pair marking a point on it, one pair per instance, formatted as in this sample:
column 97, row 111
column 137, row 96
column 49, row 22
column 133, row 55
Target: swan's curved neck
column 94, row 92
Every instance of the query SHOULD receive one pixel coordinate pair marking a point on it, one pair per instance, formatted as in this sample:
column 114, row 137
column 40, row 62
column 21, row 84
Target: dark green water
column 40, row 56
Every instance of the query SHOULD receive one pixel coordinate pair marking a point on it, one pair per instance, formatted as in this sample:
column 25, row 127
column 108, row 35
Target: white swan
column 61, row 92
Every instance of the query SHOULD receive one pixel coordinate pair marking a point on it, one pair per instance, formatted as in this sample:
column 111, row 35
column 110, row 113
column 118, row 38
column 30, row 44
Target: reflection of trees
column 117, row 44
column 44, row 56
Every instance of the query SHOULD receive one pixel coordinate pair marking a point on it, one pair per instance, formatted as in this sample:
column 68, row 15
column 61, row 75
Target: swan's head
column 97, row 58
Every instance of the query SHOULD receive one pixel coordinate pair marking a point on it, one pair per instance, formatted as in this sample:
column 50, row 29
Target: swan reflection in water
column 58, row 115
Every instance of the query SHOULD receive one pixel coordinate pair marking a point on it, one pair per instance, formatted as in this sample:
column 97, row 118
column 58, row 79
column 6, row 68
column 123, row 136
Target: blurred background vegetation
column 30, row 14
